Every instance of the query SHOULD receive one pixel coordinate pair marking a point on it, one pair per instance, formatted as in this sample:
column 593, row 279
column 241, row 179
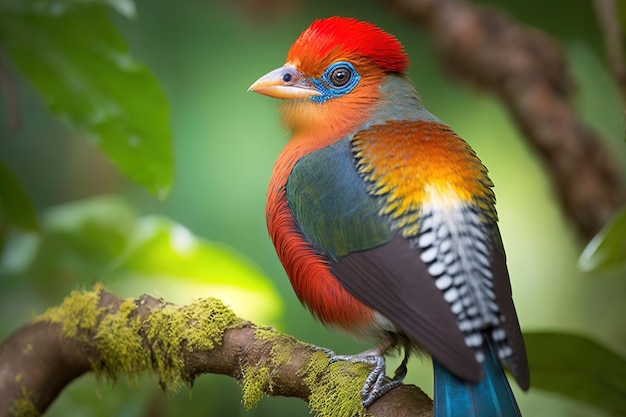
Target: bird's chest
column 330, row 203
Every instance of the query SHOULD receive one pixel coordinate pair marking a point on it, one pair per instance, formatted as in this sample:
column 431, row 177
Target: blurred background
column 208, row 236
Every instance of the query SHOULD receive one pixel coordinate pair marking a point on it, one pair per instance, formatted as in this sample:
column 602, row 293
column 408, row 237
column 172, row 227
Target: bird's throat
column 334, row 118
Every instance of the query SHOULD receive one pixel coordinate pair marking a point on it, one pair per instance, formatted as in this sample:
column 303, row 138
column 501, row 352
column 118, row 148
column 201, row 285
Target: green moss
column 281, row 353
column 202, row 324
column 256, row 379
column 209, row 317
column 335, row 388
column 116, row 337
column 281, row 345
column 24, row 407
column 275, row 349
column 78, row 314
column 256, row 382
column 265, row 333
column 119, row 343
column 119, row 337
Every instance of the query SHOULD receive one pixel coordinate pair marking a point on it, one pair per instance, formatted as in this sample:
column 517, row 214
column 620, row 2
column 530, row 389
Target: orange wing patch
column 412, row 163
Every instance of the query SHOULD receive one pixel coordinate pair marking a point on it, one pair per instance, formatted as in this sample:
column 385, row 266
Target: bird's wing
column 363, row 205
column 393, row 281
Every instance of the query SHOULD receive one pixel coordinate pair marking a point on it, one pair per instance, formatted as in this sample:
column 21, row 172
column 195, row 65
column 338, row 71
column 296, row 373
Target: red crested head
column 334, row 38
column 332, row 79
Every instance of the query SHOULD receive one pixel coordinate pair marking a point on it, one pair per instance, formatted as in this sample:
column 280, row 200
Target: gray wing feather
column 410, row 300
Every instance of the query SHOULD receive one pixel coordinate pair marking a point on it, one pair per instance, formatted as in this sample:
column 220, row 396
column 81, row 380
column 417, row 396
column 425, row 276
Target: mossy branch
column 95, row 331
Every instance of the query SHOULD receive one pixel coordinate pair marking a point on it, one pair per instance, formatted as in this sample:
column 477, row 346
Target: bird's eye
column 287, row 77
column 340, row 76
column 337, row 80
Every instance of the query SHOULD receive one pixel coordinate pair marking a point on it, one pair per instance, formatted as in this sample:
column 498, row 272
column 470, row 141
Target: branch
column 527, row 70
column 112, row 337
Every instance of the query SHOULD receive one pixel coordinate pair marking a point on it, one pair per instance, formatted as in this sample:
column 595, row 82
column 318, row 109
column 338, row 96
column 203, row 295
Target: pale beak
column 284, row 82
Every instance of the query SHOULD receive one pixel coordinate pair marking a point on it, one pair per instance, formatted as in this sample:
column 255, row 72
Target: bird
column 384, row 220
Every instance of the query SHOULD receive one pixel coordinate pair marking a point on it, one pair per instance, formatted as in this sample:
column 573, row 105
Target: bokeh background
column 204, row 55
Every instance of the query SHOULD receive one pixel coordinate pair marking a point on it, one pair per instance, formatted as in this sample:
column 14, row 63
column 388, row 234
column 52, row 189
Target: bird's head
column 333, row 74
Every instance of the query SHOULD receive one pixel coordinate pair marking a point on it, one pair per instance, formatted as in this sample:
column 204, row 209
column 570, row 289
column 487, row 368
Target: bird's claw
column 376, row 384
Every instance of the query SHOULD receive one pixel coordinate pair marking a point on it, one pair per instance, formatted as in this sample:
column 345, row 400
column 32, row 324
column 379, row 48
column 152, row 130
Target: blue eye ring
column 337, row 80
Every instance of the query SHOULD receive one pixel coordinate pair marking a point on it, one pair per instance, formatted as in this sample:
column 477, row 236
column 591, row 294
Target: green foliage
column 79, row 63
column 102, row 239
column 607, row 249
column 166, row 256
column 77, row 243
column 124, row 7
column 15, row 206
column 578, row 368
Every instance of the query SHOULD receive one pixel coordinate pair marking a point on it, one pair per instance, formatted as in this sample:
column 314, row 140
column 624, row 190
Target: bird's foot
column 376, row 384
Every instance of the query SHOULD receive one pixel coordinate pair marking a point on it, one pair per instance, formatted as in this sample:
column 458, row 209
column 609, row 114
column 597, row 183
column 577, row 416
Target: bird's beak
column 284, row 82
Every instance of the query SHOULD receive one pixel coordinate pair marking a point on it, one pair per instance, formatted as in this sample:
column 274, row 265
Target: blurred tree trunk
column 526, row 69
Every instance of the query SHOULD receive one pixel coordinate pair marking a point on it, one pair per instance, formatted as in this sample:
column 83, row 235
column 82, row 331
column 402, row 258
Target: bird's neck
column 399, row 101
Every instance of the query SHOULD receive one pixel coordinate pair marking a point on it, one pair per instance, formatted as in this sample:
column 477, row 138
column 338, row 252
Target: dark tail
column 492, row 397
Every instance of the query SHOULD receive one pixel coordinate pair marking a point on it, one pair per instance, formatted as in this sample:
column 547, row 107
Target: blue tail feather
column 492, row 397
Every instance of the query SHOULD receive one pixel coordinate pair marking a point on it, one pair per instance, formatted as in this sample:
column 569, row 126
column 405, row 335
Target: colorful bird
column 384, row 220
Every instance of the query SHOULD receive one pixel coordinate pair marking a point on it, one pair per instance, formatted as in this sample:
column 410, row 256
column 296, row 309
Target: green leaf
column 124, row 7
column 98, row 226
column 165, row 256
column 80, row 64
column 607, row 249
column 76, row 245
column 579, row 368
column 78, row 242
column 15, row 206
